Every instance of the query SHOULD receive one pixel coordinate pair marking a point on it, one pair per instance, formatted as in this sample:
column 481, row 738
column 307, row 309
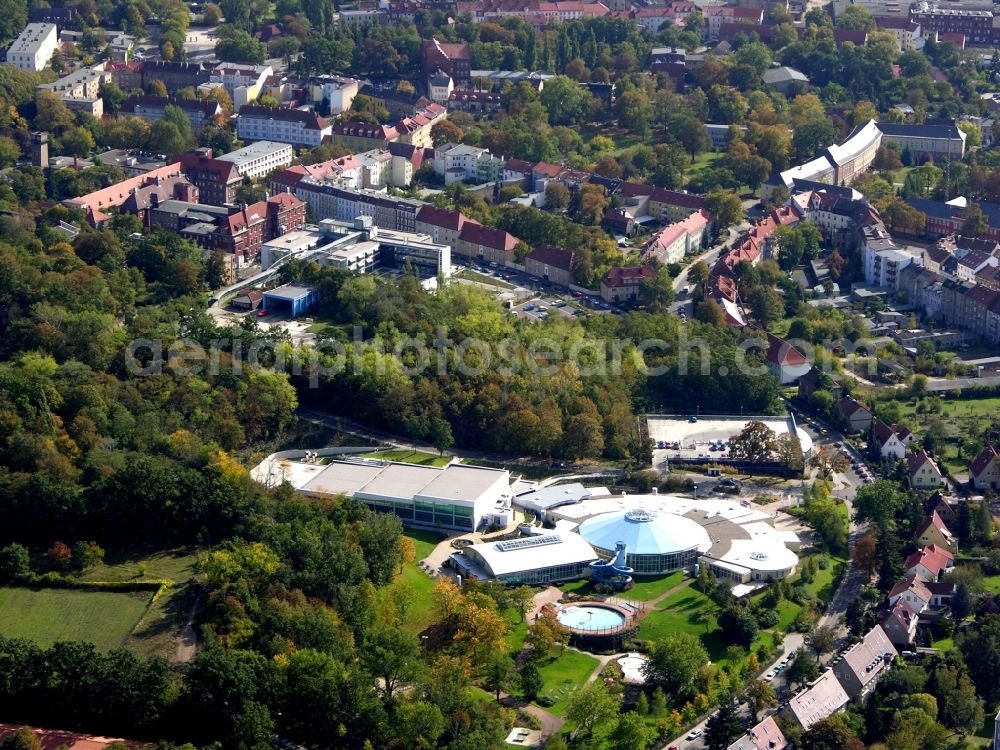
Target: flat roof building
column 33, row 48
column 297, row 298
column 260, row 158
column 455, row 497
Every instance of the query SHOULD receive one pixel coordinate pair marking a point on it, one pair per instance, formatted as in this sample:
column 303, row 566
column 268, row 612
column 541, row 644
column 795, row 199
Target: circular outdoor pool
column 590, row 617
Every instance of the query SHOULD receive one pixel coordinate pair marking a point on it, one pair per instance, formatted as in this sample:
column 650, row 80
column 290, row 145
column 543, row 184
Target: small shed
column 248, row 300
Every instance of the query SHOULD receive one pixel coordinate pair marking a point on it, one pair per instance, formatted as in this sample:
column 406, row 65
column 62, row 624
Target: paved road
column 709, row 257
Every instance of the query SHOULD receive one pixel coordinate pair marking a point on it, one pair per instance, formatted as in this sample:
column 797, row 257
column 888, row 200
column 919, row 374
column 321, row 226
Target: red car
column 261, row 313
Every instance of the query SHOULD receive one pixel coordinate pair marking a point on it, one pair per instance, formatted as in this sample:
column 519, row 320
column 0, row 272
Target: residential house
column 292, row 126
column 888, row 441
column 416, row 129
column 945, row 507
column 921, row 594
column 864, row 663
column 906, row 32
column 486, row 244
column 669, row 206
column 985, row 470
column 618, row 222
column 924, row 473
column 858, row 416
column 765, row 735
column 823, row 698
column 971, row 263
column 625, row 284
column 900, row 623
column 406, row 160
column 439, row 86
column 474, row 101
column 935, row 531
column 929, row 562
column 551, row 263
column 784, row 361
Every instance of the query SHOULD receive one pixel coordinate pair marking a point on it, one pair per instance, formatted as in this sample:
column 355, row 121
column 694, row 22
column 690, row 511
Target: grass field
column 410, row 457
column 45, row 616
column 156, row 631
column 563, row 676
column 482, row 278
column 420, row 586
column 650, row 588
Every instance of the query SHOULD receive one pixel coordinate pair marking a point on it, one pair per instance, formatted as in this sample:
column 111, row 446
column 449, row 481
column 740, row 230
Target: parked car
column 770, row 676
column 694, row 734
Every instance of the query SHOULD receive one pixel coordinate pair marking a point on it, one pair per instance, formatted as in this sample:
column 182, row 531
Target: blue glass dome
column 645, row 532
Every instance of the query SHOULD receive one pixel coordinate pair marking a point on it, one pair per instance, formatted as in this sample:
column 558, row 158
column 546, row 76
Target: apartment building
column 80, row 90
column 485, row 244
column 260, row 158
column 329, row 201
column 200, row 112
column 33, row 48
column 363, row 136
column 443, row 226
column 906, row 31
column 553, row 264
column 293, row 126
column 976, row 25
column 453, row 59
column 457, row 163
column 333, row 94
column 243, row 82
column 624, row 284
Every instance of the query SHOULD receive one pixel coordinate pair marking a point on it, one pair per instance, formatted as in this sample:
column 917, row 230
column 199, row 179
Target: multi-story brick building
column 216, row 180
column 453, row 59
column 625, row 284
column 975, row 25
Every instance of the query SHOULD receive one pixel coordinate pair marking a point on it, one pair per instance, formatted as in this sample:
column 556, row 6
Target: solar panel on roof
column 531, row 541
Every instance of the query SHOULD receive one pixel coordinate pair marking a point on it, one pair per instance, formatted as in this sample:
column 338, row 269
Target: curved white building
column 655, row 541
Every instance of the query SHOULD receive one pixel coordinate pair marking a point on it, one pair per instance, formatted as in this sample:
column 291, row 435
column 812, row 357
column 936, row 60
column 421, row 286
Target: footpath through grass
column 45, row 616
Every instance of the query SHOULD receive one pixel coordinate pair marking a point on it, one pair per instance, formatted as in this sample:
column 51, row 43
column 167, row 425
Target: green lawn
column 481, row 278
column 650, row 588
column 657, row 624
column 417, row 586
column 410, row 457
column 991, row 584
column 960, row 408
column 688, row 599
column 822, row 584
column 563, row 676
column 45, row 616
column 945, row 644
column 157, row 630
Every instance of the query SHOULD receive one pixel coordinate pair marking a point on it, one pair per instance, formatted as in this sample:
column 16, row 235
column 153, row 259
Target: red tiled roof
column 443, row 218
column 883, row 432
column 933, row 558
column 850, row 406
column 497, row 239
column 915, row 460
column 781, row 352
column 628, row 276
column 553, row 256
column 51, row 739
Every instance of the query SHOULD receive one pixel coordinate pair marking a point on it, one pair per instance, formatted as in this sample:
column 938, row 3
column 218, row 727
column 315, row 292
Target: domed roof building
column 655, row 541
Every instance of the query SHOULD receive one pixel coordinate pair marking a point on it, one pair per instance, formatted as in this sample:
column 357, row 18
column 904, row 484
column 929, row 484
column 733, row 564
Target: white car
column 695, row 734
column 770, row 676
